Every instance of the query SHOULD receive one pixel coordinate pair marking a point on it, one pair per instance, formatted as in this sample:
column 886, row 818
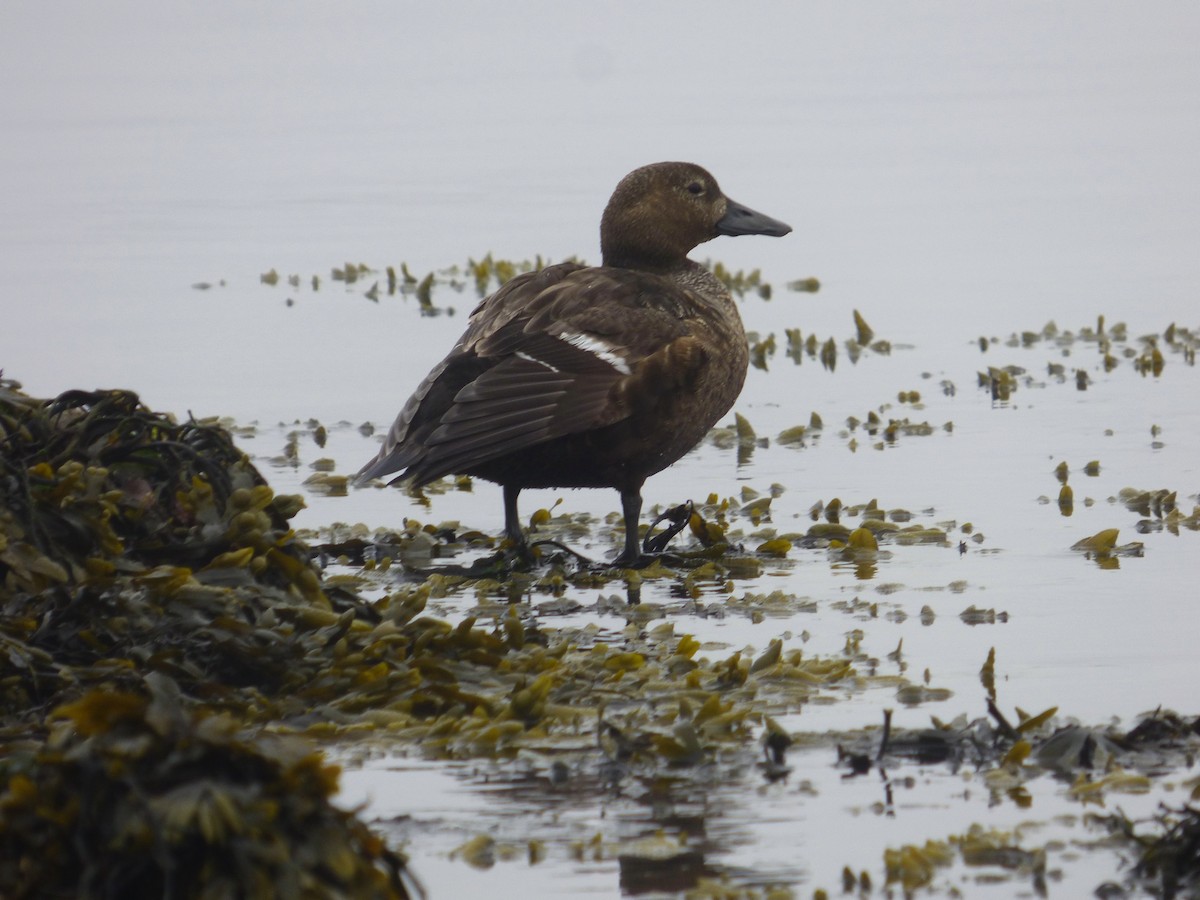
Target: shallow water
column 950, row 173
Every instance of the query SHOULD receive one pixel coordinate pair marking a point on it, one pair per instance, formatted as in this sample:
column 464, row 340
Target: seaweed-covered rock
column 134, row 796
column 93, row 484
column 131, row 543
column 152, row 595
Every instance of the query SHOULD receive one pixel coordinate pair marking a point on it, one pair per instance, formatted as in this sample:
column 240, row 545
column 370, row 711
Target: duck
column 578, row 376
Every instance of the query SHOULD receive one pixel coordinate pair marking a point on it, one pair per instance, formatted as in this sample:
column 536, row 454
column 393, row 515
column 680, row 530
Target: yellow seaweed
column 1100, row 542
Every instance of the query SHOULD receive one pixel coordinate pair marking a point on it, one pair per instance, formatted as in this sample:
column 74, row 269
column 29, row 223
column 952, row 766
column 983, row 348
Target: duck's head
column 660, row 212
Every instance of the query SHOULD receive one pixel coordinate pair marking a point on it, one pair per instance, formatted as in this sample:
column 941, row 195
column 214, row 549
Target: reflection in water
column 633, row 591
column 664, row 845
column 661, row 823
column 647, row 874
column 659, row 832
column 865, row 570
column 1066, row 501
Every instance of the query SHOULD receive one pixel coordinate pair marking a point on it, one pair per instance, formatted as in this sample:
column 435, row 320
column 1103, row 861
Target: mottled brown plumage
column 591, row 376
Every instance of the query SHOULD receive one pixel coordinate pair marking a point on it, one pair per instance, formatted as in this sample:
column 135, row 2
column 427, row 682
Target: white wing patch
column 599, row 349
column 540, row 362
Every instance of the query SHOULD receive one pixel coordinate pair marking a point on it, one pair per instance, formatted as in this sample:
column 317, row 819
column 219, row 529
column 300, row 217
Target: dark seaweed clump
column 1167, row 853
column 1173, row 857
column 154, row 604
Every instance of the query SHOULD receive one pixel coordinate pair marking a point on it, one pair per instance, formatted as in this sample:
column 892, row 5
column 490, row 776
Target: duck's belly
column 618, row 456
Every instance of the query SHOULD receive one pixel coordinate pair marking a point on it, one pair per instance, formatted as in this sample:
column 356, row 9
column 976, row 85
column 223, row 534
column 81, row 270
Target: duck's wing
column 559, row 353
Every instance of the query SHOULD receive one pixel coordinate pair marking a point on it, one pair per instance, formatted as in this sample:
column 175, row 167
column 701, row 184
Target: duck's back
column 576, row 376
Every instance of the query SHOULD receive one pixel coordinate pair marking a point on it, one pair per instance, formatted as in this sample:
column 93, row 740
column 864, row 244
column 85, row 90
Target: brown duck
column 591, row 376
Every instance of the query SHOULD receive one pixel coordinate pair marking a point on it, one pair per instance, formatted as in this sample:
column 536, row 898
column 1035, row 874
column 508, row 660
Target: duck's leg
column 512, row 519
column 631, row 506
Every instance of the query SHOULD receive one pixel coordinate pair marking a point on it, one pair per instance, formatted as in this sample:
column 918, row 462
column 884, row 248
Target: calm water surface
column 950, row 171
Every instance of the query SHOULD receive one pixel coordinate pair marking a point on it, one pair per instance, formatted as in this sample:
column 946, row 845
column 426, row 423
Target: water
column 951, row 172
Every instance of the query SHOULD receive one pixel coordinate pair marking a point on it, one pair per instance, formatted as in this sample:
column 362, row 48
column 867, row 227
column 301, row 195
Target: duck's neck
column 696, row 278
column 624, row 258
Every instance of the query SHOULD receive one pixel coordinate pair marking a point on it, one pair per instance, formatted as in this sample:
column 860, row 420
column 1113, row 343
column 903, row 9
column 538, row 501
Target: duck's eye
column 695, row 188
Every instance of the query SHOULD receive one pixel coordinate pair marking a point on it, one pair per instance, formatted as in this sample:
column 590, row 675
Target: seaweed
column 156, row 610
column 135, row 796
column 130, row 542
column 170, row 649
column 1172, row 857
